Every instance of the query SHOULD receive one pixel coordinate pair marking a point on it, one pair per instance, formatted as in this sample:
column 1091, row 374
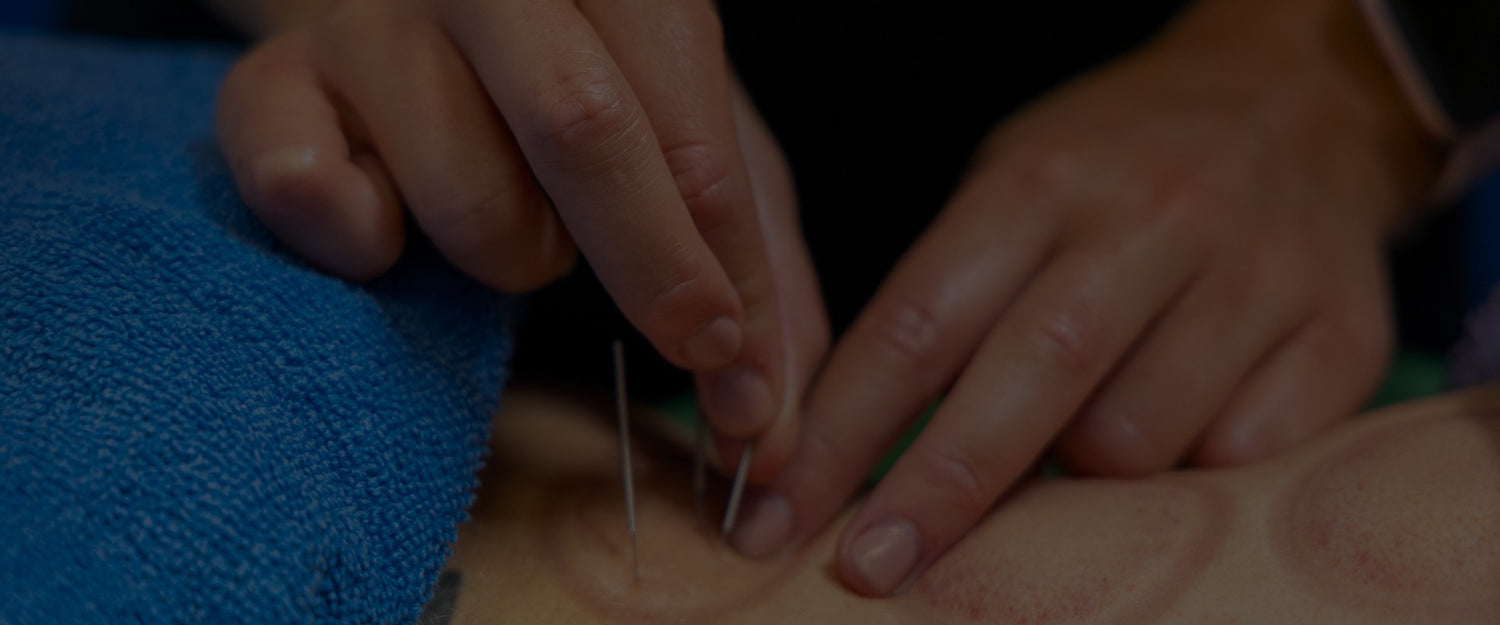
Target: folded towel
column 194, row 426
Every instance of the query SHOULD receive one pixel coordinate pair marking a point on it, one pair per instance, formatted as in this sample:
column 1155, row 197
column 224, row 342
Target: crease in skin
column 1383, row 524
column 1111, row 551
column 684, row 576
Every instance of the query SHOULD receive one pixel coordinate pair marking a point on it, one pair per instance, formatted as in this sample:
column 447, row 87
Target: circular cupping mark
column 1406, row 519
column 1096, row 551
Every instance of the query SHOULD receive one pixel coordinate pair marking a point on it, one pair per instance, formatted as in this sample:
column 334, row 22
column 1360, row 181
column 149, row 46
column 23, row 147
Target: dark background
column 877, row 105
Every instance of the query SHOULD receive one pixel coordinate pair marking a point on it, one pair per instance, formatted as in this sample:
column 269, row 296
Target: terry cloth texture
column 194, row 426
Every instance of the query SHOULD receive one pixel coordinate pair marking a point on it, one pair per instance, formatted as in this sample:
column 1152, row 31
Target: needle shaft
column 627, row 474
column 737, row 491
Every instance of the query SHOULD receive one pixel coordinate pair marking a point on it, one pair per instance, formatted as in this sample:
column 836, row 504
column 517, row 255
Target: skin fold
column 1387, row 518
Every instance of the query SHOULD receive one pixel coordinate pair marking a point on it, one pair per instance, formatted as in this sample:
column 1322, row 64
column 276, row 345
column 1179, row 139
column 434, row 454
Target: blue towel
column 194, row 426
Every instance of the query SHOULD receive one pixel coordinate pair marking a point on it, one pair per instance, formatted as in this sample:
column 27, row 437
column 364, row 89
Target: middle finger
column 1031, row 373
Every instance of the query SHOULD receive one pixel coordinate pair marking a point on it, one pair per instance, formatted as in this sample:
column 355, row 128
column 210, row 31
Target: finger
column 673, row 55
column 590, row 145
column 801, row 306
column 1320, row 375
column 459, row 170
column 1026, row 381
column 799, row 300
column 285, row 142
column 899, row 353
column 1178, row 379
column 772, row 450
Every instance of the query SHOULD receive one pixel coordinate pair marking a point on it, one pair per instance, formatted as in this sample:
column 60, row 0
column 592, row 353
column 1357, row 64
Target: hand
column 513, row 129
column 1178, row 256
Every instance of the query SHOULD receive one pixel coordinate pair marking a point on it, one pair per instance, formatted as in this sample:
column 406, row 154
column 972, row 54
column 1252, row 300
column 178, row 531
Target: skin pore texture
column 1390, row 518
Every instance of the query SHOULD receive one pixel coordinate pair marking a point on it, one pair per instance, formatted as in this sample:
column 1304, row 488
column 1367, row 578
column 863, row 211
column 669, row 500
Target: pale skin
column 1388, row 518
column 518, row 132
column 1225, row 189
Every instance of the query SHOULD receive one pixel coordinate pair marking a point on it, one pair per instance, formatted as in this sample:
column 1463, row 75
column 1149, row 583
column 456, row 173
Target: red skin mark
column 685, row 578
column 1092, row 551
column 1407, row 518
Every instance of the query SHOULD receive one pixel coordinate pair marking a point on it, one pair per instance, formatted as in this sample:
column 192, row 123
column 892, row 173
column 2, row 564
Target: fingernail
column 741, row 401
column 885, row 554
column 764, row 531
column 713, row 345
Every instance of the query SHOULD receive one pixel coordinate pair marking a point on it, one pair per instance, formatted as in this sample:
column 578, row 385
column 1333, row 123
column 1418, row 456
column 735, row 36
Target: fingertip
column 767, row 525
column 1243, row 441
column 331, row 212
column 770, row 518
column 773, row 451
column 880, row 560
column 685, row 306
column 737, row 400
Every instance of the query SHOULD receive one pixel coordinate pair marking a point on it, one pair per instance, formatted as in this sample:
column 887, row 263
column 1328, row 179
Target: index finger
column 673, row 54
column 1029, row 376
column 590, row 145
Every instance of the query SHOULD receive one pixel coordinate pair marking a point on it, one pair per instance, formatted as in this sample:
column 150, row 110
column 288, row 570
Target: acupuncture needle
column 623, row 414
column 736, row 492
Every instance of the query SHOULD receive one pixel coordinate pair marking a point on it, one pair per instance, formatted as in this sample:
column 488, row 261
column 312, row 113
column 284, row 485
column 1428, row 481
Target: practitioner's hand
column 1179, row 256
column 513, row 130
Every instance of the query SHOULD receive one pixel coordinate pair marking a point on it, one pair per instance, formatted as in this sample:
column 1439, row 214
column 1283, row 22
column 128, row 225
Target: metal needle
column 736, row 492
column 627, row 475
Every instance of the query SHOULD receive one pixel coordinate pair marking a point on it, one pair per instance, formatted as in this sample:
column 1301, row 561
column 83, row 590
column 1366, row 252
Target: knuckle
column 821, row 447
column 587, row 116
column 1179, row 189
column 1181, row 201
column 1071, row 343
column 485, row 207
column 1262, row 283
column 476, row 222
column 682, row 296
column 1040, row 171
column 702, row 177
column 1362, row 338
column 906, row 332
column 959, row 480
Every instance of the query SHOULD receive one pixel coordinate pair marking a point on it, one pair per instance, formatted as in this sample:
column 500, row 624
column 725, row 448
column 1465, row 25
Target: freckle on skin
column 1092, row 551
column 1402, row 519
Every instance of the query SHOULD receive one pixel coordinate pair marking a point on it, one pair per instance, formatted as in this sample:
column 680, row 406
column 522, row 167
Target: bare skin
column 519, row 133
column 1388, row 518
column 1227, row 189
column 1231, row 184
